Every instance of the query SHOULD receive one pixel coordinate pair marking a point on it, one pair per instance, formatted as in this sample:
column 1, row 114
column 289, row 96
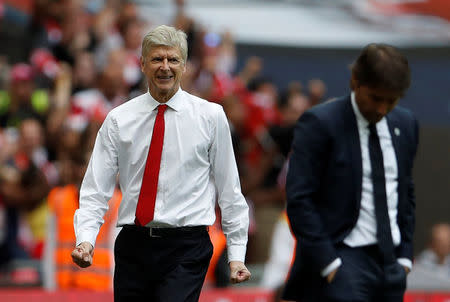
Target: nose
column 383, row 108
column 165, row 64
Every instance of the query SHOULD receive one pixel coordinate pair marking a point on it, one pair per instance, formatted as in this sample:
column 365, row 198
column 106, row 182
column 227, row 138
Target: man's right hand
column 82, row 254
column 331, row 275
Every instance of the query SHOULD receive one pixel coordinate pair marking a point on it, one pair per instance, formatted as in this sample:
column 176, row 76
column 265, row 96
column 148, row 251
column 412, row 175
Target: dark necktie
column 146, row 204
column 384, row 235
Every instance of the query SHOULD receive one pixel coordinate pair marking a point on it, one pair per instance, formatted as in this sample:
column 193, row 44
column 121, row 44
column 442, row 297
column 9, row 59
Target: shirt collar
column 362, row 122
column 175, row 101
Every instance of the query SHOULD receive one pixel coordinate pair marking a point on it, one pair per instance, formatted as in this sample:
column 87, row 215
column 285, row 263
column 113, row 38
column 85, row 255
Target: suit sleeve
column 407, row 220
column 307, row 166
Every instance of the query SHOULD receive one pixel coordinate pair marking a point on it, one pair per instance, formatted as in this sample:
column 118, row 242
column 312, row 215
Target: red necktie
column 147, row 197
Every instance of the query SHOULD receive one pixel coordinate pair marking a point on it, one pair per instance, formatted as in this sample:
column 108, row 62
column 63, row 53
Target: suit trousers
column 363, row 277
column 168, row 267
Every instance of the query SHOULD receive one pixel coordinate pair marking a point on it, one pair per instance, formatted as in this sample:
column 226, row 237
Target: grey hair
column 164, row 35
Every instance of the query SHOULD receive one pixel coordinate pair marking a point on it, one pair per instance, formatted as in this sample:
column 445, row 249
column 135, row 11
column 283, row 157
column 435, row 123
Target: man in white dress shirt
column 173, row 154
column 350, row 195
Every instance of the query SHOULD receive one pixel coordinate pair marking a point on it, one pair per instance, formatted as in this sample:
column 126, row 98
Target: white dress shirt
column 197, row 168
column 365, row 230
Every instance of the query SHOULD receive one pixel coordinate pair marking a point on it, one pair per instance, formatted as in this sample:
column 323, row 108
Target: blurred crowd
column 78, row 60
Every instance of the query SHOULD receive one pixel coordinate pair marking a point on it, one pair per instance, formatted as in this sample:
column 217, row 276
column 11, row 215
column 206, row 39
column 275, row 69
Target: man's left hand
column 238, row 272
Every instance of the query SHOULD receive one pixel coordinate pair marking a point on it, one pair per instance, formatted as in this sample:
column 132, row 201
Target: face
column 441, row 240
column 163, row 67
column 375, row 103
column 297, row 104
column 22, row 91
column 31, row 136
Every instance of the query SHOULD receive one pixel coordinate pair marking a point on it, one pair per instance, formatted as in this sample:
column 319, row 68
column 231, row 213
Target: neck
column 441, row 260
column 163, row 97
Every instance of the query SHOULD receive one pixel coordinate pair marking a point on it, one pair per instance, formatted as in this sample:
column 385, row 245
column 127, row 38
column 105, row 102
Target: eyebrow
column 168, row 57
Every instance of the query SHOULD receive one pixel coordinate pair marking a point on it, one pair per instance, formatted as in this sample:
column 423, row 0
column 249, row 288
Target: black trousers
column 363, row 277
column 168, row 267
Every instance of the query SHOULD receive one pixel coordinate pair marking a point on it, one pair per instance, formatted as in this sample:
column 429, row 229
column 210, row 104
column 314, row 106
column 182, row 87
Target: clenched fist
column 82, row 254
column 238, row 272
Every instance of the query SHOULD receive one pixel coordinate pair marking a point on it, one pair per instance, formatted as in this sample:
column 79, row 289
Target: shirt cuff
column 85, row 238
column 331, row 267
column 236, row 253
column 405, row 262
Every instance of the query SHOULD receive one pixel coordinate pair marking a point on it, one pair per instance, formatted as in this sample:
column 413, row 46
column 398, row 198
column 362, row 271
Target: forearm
column 235, row 224
column 233, row 206
column 98, row 185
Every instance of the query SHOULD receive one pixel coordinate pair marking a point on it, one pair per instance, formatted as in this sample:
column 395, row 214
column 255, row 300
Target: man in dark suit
column 350, row 190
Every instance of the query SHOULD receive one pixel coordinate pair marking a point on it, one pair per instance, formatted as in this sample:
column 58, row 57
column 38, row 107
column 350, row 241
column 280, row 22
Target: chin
column 373, row 119
column 165, row 90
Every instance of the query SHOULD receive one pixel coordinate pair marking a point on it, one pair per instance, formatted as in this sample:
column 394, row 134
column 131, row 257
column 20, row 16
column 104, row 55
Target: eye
column 393, row 100
column 157, row 59
column 174, row 60
column 376, row 99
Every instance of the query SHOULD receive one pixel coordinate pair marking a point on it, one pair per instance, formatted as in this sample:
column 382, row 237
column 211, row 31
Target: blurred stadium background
column 65, row 63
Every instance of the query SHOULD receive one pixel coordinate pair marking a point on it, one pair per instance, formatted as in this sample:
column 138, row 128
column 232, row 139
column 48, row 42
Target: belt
column 168, row 232
column 371, row 250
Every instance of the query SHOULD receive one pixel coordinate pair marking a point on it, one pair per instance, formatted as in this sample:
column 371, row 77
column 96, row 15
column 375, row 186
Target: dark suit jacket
column 324, row 187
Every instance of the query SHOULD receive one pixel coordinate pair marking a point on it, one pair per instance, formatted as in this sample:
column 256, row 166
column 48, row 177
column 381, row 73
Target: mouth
column 164, row 78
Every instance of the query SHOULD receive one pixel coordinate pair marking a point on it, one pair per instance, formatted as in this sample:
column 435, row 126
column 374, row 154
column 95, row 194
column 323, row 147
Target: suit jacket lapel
column 394, row 130
column 352, row 135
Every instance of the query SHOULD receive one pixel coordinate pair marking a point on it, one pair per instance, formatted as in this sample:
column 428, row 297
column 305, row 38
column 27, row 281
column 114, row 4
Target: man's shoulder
column 332, row 109
column 131, row 105
column 402, row 113
column 201, row 104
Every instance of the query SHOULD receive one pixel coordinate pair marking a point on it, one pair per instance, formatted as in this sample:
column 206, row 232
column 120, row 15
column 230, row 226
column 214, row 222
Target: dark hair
column 256, row 83
column 283, row 99
column 382, row 66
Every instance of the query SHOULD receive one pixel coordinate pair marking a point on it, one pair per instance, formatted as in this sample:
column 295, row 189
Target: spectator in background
column 23, row 184
column 59, row 271
column 264, row 100
column 235, row 112
column 252, row 68
column 31, row 144
column 22, row 100
column 23, row 187
column 44, row 29
column 84, row 72
column 316, row 91
column 211, row 83
column 226, row 53
column 194, row 34
column 436, row 258
column 431, row 270
column 132, row 33
column 291, row 105
column 76, row 34
column 92, row 105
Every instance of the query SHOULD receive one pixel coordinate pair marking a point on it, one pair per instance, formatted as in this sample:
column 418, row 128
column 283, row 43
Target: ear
column 142, row 63
column 354, row 83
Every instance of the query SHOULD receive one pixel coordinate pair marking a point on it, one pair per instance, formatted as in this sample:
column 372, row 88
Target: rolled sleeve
column 98, row 184
column 233, row 206
column 331, row 267
column 405, row 262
